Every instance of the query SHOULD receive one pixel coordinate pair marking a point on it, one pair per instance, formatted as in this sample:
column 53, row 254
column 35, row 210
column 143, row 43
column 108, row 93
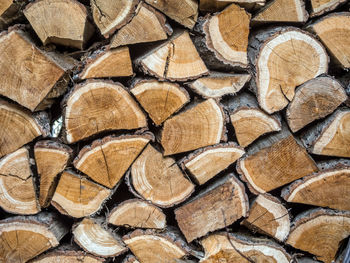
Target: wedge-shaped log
column 78, row 197
column 218, row 5
column 284, row 58
column 62, row 22
column 107, row 159
column 158, row 179
column 199, row 126
column 320, row 7
column 160, row 99
column 319, row 232
column 137, row 213
column 218, row 206
column 97, row 106
column 22, row 238
column 268, row 216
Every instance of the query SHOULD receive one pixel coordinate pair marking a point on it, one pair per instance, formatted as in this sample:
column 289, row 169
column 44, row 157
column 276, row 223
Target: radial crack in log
column 320, row 7
column 218, row 5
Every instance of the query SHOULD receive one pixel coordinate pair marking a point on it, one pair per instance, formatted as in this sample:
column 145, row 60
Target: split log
column 284, row 58
column 248, row 120
column 330, row 137
column 275, row 161
column 97, row 106
column 205, row 163
column 78, row 197
column 94, row 238
column 225, row 247
column 148, row 25
column 23, row 238
column 158, row 179
column 34, row 75
column 334, row 32
column 184, row 12
column 268, row 216
column 10, row 12
column 111, row 15
column 110, row 63
column 107, row 159
column 160, row 99
column 61, row 22
column 217, row 5
column 17, row 188
column 200, row 126
column 176, row 60
column 218, row 206
column 320, row 7
column 217, row 85
column 319, row 232
column 130, row 259
column 330, row 188
column 314, row 100
column 137, row 213
column 51, row 159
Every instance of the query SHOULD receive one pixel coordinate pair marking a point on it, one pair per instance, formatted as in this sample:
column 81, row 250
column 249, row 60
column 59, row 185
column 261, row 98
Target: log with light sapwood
column 329, row 188
column 97, row 106
column 314, row 100
column 184, row 12
column 108, row 63
column 176, row 60
column 35, row 76
column 17, row 188
column 158, row 179
column 275, row 161
column 148, row 25
column 201, row 125
column 319, row 232
column 95, row 238
column 24, row 237
column 248, row 120
column 61, row 22
column 334, row 32
column 229, row 247
column 320, row 7
column 137, row 213
column 153, row 247
column 207, row 162
column 18, row 127
column 268, row 216
column 283, row 58
column 106, row 160
column 111, row 15
column 219, row 205
column 217, row 84
column 51, row 158
column 330, row 137
column 77, row 197
column 217, row 5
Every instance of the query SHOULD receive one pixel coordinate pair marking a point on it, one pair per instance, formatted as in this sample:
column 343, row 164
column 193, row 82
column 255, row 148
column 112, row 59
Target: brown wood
column 218, row 5
column 319, row 7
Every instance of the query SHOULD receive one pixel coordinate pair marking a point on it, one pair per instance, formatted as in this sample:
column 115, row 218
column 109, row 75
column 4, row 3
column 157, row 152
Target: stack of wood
column 166, row 131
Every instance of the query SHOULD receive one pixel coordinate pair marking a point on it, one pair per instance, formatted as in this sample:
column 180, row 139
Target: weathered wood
column 320, row 7
column 218, row 5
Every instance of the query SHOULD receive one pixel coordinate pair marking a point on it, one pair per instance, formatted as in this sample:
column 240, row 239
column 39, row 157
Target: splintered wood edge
column 331, row 5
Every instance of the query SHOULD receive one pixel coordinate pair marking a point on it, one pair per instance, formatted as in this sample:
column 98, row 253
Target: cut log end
column 63, row 254
column 321, row 7
column 217, row 5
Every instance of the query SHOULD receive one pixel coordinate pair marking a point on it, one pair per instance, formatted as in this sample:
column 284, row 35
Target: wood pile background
column 166, row 131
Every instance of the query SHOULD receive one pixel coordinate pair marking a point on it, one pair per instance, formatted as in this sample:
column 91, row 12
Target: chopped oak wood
column 205, row 163
column 284, row 58
column 97, row 106
column 17, row 188
column 176, row 60
column 158, row 179
column 62, row 22
column 268, row 216
column 137, row 213
column 200, row 126
column 22, row 238
column 148, row 25
column 107, row 159
column 51, row 159
column 160, row 99
column 319, row 232
column 319, row 7
column 218, row 5
column 218, row 206
column 329, row 188
column 78, row 197
column 110, row 63
column 313, row 100
column 94, row 238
